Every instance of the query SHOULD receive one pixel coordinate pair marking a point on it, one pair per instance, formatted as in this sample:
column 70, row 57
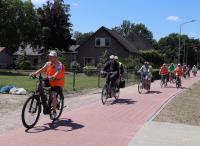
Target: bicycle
column 178, row 81
column 163, row 81
column 108, row 91
column 41, row 97
column 172, row 77
column 144, row 84
column 194, row 73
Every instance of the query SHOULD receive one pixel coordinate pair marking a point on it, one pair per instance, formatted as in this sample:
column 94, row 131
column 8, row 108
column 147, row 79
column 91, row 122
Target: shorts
column 57, row 90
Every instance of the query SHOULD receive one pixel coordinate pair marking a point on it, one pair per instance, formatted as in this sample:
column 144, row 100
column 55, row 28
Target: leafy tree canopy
column 54, row 18
column 81, row 37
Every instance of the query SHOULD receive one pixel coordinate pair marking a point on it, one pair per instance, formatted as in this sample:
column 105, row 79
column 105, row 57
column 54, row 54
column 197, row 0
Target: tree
column 125, row 29
column 81, row 37
column 18, row 22
column 169, row 47
column 129, row 31
column 54, row 18
column 142, row 31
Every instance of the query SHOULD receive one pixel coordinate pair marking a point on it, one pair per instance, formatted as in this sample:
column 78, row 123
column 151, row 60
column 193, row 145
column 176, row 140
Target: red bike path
column 113, row 124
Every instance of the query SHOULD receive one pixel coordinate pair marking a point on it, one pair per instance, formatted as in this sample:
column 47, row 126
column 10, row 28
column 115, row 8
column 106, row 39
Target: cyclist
column 179, row 72
column 171, row 69
column 55, row 72
column 184, row 71
column 112, row 68
column 188, row 70
column 164, row 72
column 150, row 72
column 121, row 71
column 194, row 70
column 144, row 72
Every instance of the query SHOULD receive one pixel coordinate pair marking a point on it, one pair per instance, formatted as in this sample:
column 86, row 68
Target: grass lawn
column 23, row 81
column 184, row 108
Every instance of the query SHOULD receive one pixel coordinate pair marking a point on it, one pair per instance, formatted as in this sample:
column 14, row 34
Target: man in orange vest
column 179, row 72
column 55, row 72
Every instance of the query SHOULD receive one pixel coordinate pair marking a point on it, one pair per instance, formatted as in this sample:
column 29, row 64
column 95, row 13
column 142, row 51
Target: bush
column 131, row 63
column 90, row 70
column 154, row 57
column 74, row 66
column 22, row 62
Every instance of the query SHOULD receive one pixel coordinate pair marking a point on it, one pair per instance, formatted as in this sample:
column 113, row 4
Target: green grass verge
column 23, row 81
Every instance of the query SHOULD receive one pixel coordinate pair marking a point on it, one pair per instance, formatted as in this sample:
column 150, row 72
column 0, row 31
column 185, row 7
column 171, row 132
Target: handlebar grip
column 32, row 76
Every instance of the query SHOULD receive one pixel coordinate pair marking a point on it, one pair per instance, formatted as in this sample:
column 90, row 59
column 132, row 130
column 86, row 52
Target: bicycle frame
column 41, row 96
column 144, row 83
column 107, row 91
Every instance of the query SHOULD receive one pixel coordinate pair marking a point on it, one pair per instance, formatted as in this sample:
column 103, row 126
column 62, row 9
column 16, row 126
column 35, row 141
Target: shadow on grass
column 58, row 125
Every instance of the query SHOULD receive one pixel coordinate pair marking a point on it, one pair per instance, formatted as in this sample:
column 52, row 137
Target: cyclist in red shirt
column 179, row 72
column 164, row 72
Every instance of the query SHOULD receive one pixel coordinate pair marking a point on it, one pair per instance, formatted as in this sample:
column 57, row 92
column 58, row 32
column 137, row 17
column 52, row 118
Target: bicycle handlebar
column 106, row 72
column 35, row 76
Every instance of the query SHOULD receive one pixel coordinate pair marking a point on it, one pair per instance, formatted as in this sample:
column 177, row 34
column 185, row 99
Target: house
column 70, row 55
column 5, row 58
column 34, row 54
column 37, row 55
column 105, row 39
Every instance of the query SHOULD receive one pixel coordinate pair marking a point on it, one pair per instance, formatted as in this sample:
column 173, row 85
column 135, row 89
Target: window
column 35, row 60
column 97, row 42
column 102, row 42
column 90, row 61
column 107, row 42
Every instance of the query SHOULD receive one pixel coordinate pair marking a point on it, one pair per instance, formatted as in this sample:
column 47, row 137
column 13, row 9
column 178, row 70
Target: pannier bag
column 122, row 83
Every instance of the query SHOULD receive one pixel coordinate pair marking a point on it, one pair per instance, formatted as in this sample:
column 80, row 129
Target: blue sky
column 161, row 17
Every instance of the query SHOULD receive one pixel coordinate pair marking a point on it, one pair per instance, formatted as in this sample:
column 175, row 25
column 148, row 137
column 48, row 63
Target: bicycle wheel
column 59, row 107
column 140, row 87
column 165, row 83
column 31, row 112
column 117, row 95
column 177, row 83
column 161, row 83
column 173, row 80
column 104, row 94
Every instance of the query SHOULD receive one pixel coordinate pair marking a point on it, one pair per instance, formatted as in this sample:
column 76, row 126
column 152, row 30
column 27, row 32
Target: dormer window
column 103, row 42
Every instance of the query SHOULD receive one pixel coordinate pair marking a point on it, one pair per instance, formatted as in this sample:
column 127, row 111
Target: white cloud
column 173, row 18
column 74, row 4
column 193, row 35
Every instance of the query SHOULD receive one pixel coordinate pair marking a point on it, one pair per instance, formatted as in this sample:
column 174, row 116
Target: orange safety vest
column 179, row 71
column 60, row 78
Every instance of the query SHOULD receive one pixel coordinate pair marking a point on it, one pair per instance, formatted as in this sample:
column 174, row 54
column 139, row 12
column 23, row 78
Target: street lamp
column 179, row 46
column 196, row 49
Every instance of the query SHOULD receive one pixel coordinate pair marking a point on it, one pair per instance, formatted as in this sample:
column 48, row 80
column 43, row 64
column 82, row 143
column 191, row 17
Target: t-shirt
column 58, row 68
column 171, row 68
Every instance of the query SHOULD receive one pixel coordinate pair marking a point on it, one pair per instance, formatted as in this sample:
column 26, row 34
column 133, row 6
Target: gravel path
column 11, row 106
